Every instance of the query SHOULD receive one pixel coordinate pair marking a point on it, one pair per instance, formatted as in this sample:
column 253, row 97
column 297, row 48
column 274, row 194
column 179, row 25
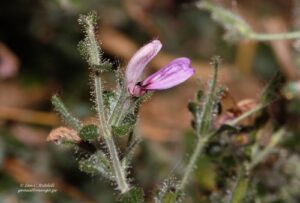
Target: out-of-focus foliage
column 43, row 36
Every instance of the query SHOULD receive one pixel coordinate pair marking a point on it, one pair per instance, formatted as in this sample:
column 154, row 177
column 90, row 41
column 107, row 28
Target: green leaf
column 97, row 163
column 129, row 119
column 193, row 107
column 200, row 95
column 64, row 113
column 121, row 130
column 170, row 197
column 109, row 100
column 134, row 195
column 89, row 132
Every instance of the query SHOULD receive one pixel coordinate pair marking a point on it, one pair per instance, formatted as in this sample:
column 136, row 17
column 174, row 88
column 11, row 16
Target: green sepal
column 171, row 197
column 193, row 107
column 89, row 132
column 199, row 96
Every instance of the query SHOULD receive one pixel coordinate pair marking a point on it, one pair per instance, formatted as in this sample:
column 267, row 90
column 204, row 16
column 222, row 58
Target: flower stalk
column 203, row 126
column 120, row 174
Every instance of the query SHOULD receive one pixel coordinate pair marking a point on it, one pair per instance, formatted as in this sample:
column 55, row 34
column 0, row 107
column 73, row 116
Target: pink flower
column 174, row 73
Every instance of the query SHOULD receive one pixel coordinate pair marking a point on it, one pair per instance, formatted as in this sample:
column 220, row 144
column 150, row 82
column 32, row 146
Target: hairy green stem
column 231, row 20
column 117, row 167
column 93, row 48
column 197, row 151
column 265, row 152
column 119, row 173
column 203, row 128
column 100, row 106
column 205, row 117
column 94, row 59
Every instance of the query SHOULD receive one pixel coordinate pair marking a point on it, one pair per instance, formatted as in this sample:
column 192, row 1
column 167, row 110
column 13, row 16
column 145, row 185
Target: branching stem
column 202, row 130
column 275, row 36
column 119, row 172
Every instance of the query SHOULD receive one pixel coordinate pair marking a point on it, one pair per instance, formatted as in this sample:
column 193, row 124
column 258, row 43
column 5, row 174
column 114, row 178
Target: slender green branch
column 240, row 189
column 119, row 173
column 246, row 114
column 100, row 107
column 117, row 167
column 276, row 138
column 197, row 151
column 270, row 37
column 235, row 24
column 205, row 118
column 202, row 130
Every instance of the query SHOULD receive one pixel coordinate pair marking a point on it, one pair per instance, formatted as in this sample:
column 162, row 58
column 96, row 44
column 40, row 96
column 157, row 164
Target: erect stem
column 117, row 167
column 276, row 138
column 202, row 130
column 201, row 143
column 100, row 106
column 241, row 187
column 120, row 175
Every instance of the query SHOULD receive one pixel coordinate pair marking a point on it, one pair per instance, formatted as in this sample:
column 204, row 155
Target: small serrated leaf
column 97, row 163
column 89, row 132
column 109, row 100
column 64, row 113
column 200, row 95
column 121, row 130
column 129, row 119
column 193, row 107
column 134, row 195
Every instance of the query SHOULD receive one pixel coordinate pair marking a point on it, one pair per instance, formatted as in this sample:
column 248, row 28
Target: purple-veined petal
column 139, row 61
column 174, row 73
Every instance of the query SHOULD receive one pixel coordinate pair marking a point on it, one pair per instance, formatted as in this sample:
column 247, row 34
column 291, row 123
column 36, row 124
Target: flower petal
column 174, row 73
column 139, row 60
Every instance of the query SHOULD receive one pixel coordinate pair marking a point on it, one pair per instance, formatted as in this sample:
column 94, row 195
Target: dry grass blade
column 28, row 116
